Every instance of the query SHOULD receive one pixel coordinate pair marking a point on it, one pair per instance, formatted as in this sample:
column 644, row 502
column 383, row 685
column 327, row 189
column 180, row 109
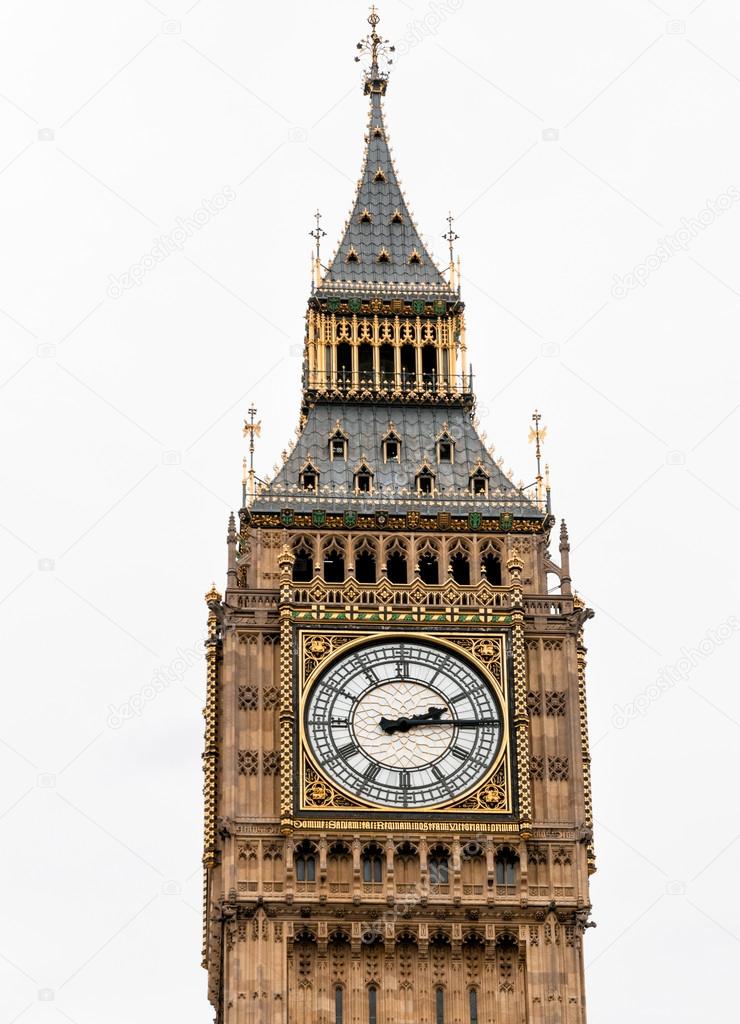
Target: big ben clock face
column 403, row 724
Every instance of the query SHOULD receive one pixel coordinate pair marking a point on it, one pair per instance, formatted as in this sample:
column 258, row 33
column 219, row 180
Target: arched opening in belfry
column 365, row 567
column 429, row 365
column 303, row 564
column 408, row 365
column 460, row 568
column 344, row 363
column 396, row 568
column 334, row 565
column 365, row 363
column 429, row 569
column 491, row 566
column 387, row 364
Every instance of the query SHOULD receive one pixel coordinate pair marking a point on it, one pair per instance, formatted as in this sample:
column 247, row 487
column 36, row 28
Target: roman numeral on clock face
column 371, row 772
column 347, row 750
column 459, row 752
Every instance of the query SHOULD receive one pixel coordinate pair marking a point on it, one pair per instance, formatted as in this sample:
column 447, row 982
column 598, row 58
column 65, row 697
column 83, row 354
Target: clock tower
column 398, row 824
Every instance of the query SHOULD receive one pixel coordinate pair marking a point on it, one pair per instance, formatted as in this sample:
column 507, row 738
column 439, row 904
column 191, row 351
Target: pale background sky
column 568, row 139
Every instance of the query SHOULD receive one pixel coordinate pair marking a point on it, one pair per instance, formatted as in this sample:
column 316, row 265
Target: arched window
column 339, row 1005
column 372, row 1005
column 365, row 566
column 372, row 864
column 473, row 869
column 406, row 867
column 303, row 564
column 339, row 867
column 396, row 568
column 363, row 479
column 479, row 482
column 305, row 863
column 506, row 861
column 460, row 568
column 439, row 866
column 439, row 1006
column 309, row 478
column 491, row 568
column 425, row 481
column 334, row 565
column 338, row 445
column 429, row 569
column 473, row 1003
column 445, row 448
column 391, row 447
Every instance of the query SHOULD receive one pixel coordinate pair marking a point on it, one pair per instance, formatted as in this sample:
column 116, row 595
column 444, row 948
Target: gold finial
column 537, row 434
column 376, row 48
column 254, row 429
column 213, row 596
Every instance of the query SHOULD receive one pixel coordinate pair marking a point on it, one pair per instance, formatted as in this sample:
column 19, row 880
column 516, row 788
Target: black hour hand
column 391, row 725
column 432, row 717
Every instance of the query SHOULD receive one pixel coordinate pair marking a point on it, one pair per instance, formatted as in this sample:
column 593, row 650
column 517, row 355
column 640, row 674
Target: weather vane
column 254, row 429
column 374, row 45
column 538, row 434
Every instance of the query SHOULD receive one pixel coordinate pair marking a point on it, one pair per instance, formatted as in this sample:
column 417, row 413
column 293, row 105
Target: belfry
column 398, row 822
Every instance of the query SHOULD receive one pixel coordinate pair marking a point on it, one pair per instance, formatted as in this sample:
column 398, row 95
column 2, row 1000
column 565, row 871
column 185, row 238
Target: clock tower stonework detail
column 398, row 823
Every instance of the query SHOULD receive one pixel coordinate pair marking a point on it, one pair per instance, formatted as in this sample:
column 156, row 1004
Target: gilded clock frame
column 316, row 647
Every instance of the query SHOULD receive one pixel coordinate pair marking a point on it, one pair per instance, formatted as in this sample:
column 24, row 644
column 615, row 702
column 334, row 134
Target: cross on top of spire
column 377, row 49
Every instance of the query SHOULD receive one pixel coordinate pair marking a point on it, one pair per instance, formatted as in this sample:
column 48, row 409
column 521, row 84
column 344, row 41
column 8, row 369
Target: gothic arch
column 334, row 559
column 304, row 552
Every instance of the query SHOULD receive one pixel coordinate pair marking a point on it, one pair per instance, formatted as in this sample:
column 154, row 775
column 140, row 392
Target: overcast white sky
column 583, row 148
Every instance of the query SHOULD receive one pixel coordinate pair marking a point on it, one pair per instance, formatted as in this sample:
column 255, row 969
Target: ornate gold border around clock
column 317, row 648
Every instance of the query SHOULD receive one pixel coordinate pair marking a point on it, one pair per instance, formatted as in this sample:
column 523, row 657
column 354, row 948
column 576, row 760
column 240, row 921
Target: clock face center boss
column 402, row 723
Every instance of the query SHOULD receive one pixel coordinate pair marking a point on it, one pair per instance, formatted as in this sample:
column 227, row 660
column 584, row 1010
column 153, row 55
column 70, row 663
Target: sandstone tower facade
column 398, row 824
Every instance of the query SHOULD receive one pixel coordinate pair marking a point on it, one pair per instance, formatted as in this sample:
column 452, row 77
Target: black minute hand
column 432, row 717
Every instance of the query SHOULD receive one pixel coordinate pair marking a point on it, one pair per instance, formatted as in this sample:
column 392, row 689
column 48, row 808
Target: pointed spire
column 381, row 247
column 565, row 580
column 231, row 538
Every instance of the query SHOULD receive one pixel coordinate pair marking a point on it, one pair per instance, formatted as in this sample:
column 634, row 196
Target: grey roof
column 381, row 199
column 394, row 484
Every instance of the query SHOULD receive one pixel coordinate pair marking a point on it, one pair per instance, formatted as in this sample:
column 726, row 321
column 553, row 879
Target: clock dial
column 403, row 723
